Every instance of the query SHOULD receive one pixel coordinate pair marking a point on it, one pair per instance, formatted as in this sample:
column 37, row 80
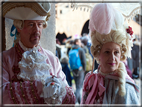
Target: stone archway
column 85, row 28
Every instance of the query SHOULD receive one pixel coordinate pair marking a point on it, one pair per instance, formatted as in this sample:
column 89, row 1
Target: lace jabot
column 33, row 65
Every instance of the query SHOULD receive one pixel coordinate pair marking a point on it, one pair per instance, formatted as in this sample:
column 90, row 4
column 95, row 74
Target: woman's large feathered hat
column 107, row 25
column 26, row 10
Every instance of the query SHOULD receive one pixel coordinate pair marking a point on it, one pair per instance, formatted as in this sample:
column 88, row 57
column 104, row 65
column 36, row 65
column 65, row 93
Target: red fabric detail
column 85, row 86
column 52, row 83
column 12, row 93
column 9, row 92
column 20, row 92
column 97, row 88
column 30, row 92
column 15, row 79
column 15, row 68
column 34, row 94
column 25, row 93
column 19, row 51
column 37, row 101
column 70, row 97
column 129, row 30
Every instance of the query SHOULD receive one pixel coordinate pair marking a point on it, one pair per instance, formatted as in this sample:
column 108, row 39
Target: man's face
column 79, row 42
column 109, row 57
column 31, row 32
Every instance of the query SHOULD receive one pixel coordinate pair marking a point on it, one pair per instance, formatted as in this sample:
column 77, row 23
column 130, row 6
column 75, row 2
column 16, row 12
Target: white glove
column 53, row 90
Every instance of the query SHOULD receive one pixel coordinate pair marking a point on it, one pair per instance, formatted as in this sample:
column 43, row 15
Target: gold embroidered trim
column 23, row 92
column 31, row 84
column 12, row 96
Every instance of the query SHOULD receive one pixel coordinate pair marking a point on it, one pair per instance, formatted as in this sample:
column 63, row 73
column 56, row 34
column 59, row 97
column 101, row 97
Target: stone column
column 48, row 39
column 48, row 35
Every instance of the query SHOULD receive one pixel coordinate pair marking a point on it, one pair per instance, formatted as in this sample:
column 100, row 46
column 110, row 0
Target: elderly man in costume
column 111, row 44
column 31, row 74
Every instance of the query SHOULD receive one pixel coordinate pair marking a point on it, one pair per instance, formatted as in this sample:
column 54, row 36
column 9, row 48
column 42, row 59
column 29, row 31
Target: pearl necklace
column 104, row 74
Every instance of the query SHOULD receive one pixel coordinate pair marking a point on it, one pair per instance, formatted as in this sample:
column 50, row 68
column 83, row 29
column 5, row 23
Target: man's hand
column 53, row 90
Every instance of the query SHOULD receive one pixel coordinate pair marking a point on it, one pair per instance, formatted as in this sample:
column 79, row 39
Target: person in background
column 112, row 40
column 89, row 59
column 69, row 46
column 83, row 45
column 135, row 59
column 30, row 18
column 78, row 74
column 64, row 62
column 58, row 48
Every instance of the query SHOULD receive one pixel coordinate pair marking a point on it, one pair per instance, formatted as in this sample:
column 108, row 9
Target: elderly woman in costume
column 111, row 44
column 31, row 74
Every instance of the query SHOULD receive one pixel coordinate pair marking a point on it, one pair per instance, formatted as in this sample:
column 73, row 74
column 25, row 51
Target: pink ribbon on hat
column 98, row 87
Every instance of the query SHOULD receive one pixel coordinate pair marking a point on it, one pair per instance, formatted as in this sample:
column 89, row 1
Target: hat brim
column 26, row 10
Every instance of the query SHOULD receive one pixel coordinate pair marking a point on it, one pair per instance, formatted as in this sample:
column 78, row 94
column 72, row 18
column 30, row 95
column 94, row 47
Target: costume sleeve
column 132, row 94
column 69, row 97
column 19, row 92
column 84, row 91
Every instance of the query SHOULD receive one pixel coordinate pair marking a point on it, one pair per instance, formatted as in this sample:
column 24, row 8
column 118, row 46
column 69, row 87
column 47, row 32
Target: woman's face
column 109, row 57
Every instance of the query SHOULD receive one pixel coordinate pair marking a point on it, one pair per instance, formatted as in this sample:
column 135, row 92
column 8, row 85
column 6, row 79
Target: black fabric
column 61, row 37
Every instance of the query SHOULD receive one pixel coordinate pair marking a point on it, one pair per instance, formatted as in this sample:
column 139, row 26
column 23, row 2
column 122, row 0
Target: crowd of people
column 97, row 62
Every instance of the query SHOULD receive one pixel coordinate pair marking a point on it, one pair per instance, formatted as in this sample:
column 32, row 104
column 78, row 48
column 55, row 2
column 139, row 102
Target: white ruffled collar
column 28, row 49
